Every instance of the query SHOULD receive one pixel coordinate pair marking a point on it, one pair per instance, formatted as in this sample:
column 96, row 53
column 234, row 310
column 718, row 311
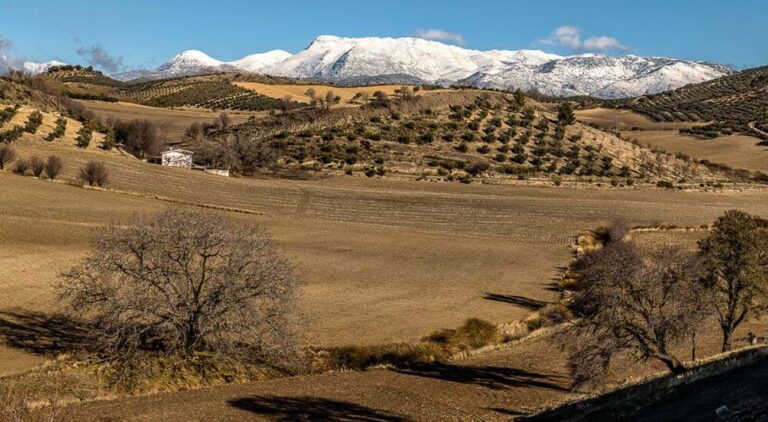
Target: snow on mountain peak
column 33, row 68
column 373, row 60
column 256, row 62
column 192, row 58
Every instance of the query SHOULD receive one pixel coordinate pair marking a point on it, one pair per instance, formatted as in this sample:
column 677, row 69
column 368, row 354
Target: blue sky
column 141, row 33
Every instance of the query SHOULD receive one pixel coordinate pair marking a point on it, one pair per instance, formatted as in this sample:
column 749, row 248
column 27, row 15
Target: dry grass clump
column 397, row 354
column 440, row 345
column 552, row 314
column 154, row 373
column 475, row 333
column 40, row 394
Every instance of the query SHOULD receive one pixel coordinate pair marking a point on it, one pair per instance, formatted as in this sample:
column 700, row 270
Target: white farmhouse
column 177, row 157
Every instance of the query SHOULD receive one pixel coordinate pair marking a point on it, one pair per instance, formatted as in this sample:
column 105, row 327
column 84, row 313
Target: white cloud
column 602, row 43
column 439, row 35
column 570, row 37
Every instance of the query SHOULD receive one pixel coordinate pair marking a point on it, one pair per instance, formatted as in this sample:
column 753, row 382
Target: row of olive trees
column 650, row 305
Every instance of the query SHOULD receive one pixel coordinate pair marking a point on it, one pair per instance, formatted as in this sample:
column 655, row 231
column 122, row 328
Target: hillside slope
column 453, row 136
column 733, row 103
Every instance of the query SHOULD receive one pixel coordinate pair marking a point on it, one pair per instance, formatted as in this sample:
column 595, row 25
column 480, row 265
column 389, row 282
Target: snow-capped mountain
column 193, row 62
column 33, row 68
column 376, row 60
column 372, row 60
column 256, row 62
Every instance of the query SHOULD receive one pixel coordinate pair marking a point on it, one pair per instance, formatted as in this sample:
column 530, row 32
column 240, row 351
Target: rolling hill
column 733, row 103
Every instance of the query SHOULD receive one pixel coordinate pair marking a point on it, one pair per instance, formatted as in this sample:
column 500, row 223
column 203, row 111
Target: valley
column 378, row 228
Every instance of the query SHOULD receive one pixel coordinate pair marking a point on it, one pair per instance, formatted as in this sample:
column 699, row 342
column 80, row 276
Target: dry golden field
column 737, row 151
column 173, row 122
column 513, row 379
column 384, row 260
column 625, row 120
column 298, row 92
column 369, row 248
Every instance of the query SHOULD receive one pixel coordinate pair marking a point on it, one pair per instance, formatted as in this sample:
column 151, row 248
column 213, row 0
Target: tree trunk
column 674, row 365
column 727, row 333
column 693, row 347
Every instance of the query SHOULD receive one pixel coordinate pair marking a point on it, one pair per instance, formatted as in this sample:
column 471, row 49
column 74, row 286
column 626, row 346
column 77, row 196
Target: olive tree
column 735, row 256
column 185, row 282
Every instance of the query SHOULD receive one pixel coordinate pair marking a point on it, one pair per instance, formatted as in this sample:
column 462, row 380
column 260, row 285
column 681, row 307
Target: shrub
column 11, row 135
column 84, row 136
column 21, row 166
column 53, row 166
column 33, row 122
column 666, row 184
column 555, row 313
column 7, row 154
column 397, row 354
column 477, row 167
column 58, row 131
column 94, row 173
column 8, row 113
column 37, row 165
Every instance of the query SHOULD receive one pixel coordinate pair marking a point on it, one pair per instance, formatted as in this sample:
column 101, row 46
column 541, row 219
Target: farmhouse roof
column 183, row 151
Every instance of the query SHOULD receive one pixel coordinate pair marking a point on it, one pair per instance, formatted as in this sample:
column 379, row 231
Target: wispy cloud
column 439, row 35
column 7, row 59
column 570, row 37
column 99, row 57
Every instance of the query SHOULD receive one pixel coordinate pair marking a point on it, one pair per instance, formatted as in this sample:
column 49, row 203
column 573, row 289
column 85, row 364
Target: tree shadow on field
column 41, row 333
column 522, row 301
column 507, row 412
column 493, row 377
column 310, row 409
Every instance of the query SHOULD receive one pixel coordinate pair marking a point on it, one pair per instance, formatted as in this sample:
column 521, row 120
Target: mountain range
column 372, row 60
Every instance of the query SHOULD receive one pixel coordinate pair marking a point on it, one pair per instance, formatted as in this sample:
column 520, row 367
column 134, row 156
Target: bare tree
column 286, row 103
column 330, row 99
column 626, row 301
column 140, row 137
column 21, row 166
column 313, row 99
column 381, row 99
column 185, row 282
column 7, row 155
column 405, row 92
column 224, row 121
column 53, row 166
column 94, row 173
column 37, row 165
column 194, row 132
column 735, row 256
